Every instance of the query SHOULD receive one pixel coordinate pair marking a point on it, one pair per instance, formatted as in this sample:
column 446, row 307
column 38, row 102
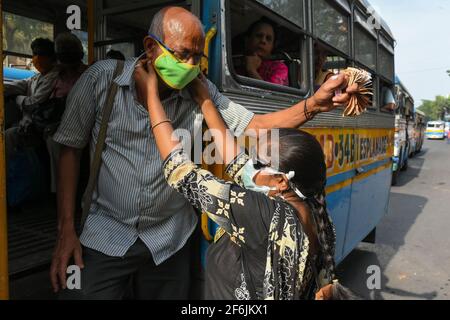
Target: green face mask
column 174, row 73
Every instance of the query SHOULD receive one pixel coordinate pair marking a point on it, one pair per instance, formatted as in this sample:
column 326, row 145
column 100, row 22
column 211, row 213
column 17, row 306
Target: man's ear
column 149, row 47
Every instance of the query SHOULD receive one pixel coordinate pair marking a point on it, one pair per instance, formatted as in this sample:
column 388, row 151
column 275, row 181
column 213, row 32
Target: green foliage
column 19, row 32
column 436, row 109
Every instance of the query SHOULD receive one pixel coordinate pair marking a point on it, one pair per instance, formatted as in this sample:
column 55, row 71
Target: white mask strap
column 301, row 195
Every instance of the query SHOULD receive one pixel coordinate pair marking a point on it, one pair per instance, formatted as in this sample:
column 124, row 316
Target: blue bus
column 358, row 150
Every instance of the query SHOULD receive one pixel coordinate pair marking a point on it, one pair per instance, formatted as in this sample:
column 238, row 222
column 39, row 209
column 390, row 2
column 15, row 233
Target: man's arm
column 68, row 244
column 324, row 100
column 16, row 88
column 42, row 92
column 73, row 134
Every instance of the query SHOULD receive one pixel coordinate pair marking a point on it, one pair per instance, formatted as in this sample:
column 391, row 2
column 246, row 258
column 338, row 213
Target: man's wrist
column 312, row 107
column 65, row 226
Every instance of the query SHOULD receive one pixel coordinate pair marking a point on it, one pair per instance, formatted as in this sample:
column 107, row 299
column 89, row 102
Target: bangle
column 164, row 121
column 308, row 115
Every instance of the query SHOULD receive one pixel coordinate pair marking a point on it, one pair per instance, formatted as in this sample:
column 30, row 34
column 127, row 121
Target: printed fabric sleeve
column 235, row 168
column 245, row 215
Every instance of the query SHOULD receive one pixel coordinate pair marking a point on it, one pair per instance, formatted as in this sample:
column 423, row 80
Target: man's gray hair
column 157, row 25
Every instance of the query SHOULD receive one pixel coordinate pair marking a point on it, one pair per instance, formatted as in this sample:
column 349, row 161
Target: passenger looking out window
column 257, row 63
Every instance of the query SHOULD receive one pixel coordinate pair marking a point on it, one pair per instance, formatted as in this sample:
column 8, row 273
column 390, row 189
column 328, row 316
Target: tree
column 19, row 32
column 437, row 109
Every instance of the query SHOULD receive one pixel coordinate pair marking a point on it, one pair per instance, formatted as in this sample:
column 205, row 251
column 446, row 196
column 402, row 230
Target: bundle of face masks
column 360, row 100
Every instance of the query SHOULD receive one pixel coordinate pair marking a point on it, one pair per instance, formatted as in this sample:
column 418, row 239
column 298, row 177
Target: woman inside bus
column 260, row 40
column 273, row 223
column 321, row 74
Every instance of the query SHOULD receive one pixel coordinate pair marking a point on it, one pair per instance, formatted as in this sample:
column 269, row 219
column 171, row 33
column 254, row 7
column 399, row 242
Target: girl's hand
column 146, row 79
column 199, row 90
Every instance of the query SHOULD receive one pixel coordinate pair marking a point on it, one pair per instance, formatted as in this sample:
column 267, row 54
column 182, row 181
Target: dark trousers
column 133, row 276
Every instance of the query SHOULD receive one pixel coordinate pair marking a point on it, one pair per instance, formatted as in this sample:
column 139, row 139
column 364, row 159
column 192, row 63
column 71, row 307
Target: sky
column 422, row 31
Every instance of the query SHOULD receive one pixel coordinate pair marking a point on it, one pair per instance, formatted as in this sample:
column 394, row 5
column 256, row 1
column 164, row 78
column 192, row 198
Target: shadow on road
column 414, row 168
column 391, row 233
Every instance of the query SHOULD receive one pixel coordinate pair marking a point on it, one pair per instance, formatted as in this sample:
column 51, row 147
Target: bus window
column 18, row 33
column 388, row 103
column 266, row 48
column 386, row 63
column 326, row 63
column 126, row 48
column 83, row 36
column 365, row 48
column 291, row 10
column 331, row 26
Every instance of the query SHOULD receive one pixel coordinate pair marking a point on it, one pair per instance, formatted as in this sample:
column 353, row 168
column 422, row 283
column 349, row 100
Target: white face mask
column 249, row 173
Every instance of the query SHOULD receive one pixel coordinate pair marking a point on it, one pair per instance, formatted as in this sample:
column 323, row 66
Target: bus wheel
column 394, row 178
column 405, row 166
column 371, row 236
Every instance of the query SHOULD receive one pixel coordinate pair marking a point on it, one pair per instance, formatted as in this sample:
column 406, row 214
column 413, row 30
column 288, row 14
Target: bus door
column 122, row 26
column 31, row 205
column 4, row 285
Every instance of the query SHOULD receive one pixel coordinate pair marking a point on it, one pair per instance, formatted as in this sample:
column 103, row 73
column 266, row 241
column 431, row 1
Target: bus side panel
column 370, row 196
column 338, row 204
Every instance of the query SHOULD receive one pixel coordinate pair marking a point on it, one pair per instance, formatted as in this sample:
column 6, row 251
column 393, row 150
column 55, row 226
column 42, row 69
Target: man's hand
column 68, row 246
column 199, row 90
column 325, row 99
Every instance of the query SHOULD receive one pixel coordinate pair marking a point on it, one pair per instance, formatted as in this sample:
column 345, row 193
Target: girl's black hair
column 300, row 152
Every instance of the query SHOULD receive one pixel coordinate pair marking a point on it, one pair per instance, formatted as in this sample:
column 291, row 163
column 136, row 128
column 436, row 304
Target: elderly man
column 138, row 228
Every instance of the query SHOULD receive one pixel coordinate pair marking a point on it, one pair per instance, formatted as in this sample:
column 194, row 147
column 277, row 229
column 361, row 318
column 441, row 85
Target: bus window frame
column 304, row 13
column 102, row 15
column 387, row 43
column 104, row 43
column 380, row 47
column 359, row 27
column 331, row 51
column 343, row 11
column 391, row 87
column 16, row 11
column 255, row 86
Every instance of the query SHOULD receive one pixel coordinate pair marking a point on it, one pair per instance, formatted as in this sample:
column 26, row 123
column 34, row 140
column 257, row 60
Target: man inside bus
column 388, row 99
column 31, row 92
column 69, row 53
column 321, row 74
column 137, row 227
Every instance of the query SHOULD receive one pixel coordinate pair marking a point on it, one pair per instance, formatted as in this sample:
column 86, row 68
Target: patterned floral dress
column 266, row 231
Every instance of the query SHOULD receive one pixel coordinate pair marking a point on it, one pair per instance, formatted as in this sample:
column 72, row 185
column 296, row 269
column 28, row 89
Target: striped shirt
column 34, row 90
column 132, row 199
